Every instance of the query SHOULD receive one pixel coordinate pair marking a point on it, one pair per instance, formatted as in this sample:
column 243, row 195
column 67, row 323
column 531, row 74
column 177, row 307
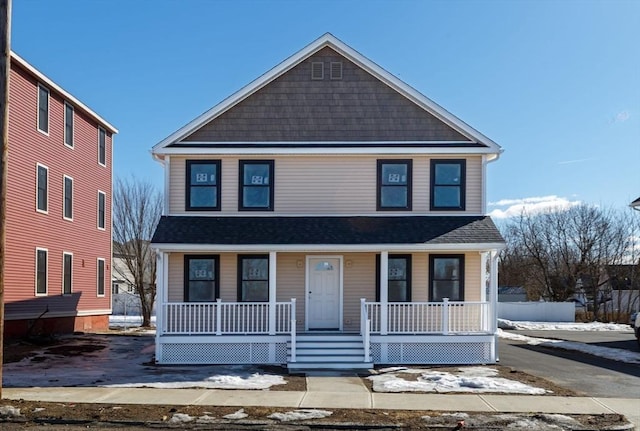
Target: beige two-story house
column 327, row 215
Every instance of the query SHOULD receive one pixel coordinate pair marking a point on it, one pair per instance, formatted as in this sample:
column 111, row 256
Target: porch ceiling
column 413, row 230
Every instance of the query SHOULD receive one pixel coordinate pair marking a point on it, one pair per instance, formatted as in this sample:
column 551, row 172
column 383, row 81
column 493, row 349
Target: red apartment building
column 58, row 227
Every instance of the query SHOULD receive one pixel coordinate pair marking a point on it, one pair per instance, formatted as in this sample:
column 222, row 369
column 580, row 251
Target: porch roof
column 353, row 230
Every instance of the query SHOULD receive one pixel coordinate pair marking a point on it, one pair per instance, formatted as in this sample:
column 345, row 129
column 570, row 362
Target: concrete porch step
column 337, row 365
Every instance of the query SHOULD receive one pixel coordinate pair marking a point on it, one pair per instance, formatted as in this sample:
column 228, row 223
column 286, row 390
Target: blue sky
column 555, row 83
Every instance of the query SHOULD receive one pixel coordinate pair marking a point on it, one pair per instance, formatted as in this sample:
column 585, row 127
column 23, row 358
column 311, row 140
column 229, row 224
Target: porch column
column 384, row 292
column 493, row 292
column 272, row 293
column 161, row 262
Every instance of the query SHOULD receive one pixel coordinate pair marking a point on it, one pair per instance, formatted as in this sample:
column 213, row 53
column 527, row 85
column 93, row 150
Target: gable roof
column 330, row 41
column 419, row 232
column 61, row 91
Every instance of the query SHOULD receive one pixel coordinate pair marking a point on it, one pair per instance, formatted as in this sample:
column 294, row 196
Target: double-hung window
column 43, row 109
column 446, row 277
column 201, row 278
column 68, row 124
column 253, row 278
column 256, row 185
column 67, row 273
column 68, row 198
column 100, row 283
column 399, row 278
column 102, row 147
column 102, row 202
column 41, row 271
column 448, row 184
column 394, row 185
column 42, row 188
column 203, row 185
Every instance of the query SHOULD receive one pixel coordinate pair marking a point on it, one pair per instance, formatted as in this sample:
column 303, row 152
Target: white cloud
column 570, row 162
column 530, row 206
column 622, row 116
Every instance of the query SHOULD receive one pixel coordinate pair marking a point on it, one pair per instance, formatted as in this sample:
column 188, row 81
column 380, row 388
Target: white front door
column 324, row 296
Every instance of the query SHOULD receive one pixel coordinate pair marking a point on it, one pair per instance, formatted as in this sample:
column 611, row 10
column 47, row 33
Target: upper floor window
column 43, row 109
column 448, row 184
column 102, row 146
column 399, row 278
column 68, row 198
column 253, row 278
column 102, row 198
column 42, row 188
column 201, row 278
column 203, row 185
column 100, row 286
column 67, row 269
column 41, row 271
column 256, row 185
column 394, row 185
column 68, row 124
column 446, row 277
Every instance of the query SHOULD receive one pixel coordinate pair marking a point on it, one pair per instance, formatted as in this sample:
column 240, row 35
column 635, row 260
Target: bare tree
column 137, row 207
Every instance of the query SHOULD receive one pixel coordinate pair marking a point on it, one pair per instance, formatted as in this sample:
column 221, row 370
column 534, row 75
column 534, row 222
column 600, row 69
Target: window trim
column 46, row 272
column 241, row 258
column 104, row 212
column 102, row 146
column 462, row 186
column 46, row 168
column 408, row 257
column 461, row 259
column 104, row 275
column 409, row 185
column 188, row 185
column 216, row 268
column 271, row 185
column 64, row 255
column 64, row 197
column 69, row 120
column 48, row 109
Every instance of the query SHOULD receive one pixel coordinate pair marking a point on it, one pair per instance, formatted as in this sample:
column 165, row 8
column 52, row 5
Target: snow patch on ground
column 563, row 326
column 9, row 412
column 298, row 415
column 467, row 379
column 180, row 418
column 240, row 414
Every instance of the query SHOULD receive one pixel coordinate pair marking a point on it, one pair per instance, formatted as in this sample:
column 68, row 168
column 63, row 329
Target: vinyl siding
column 323, row 184
column 27, row 229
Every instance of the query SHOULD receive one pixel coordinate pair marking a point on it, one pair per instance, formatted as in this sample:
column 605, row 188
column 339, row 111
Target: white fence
column 537, row 311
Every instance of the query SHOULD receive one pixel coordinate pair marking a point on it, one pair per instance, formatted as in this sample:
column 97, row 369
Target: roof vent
column 336, row 70
column 317, row 70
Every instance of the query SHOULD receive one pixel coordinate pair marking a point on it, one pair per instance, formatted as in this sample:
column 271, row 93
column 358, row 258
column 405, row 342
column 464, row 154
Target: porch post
column 493, row 291
column 272, row 293
column 384, row 292
column 160, row 299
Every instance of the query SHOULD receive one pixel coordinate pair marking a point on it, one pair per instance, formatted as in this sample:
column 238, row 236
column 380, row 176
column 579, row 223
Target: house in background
column 58, row 226
column 512, row 294
column 327, row 215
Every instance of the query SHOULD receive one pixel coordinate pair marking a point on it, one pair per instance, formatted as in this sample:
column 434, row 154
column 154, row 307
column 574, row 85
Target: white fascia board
column 65, row 95
column 328, row 40
column 399, row 149
column 333, row 248
column 284, row 214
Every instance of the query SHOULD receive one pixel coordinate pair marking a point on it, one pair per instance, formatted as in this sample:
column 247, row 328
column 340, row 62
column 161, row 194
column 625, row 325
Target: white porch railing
column 428, row 317
column 225, row 318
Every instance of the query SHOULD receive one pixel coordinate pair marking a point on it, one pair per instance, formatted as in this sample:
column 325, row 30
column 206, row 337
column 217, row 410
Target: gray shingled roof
column 326, row 230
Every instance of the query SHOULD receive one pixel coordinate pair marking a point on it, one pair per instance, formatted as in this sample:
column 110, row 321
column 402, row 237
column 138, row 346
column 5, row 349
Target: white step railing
column 225, row 318
column 428, row 317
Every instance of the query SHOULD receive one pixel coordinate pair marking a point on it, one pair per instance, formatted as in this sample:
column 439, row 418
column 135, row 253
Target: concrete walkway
column 327, row 392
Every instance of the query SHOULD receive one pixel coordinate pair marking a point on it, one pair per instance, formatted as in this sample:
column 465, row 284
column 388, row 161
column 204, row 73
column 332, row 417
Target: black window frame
column 462, row 186
column 101, row 272
column 68, row 124
column 67, row 273
column 43, row 111
column 189, row 186
column 102, row 210
column 102, row 146
column 461, row 259
column 241, row 185
column 241, row 280
column 67, row 197
column 408, row 185
column 39, row 189
column 408, row 258
column 216, row 280
column 42, row 273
